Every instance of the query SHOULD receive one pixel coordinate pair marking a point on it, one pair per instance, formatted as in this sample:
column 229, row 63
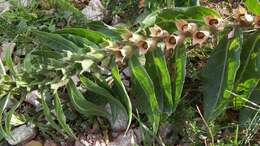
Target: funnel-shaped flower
column 119, row 58
column 200, row 37
column 126, row 51
column 157, row 31
column 171, row 41
column 241, row 16
column 186, row 28
column 143, row 47
column 136, row 38
column 214, row 22
column 126, row 35
column 257, row 22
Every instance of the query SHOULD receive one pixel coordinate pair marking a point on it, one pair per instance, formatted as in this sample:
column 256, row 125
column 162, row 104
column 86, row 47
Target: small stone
column 125, row 140
column 120, row 122
column 33, row 143
column 94, row 11
column 50, row 143
column 21, row 134
column 32, row 98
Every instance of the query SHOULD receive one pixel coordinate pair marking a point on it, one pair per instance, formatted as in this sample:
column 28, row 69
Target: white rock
column 32, row 98
column 94, row 11
column 21, row 134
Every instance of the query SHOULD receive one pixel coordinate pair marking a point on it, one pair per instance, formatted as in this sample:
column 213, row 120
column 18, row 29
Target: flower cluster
column 137, row 42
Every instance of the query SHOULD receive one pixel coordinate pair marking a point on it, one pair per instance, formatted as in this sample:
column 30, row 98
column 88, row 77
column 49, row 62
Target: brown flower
column 214, row 22
column 147, row 45
column 113, row 45
column 126, row 35
column 257, row 22
column 200, row 37
column 136, row 38
column 126, row 51
column 186, row 28
column 119, row 58
column 157, row 31
column 171, row 41
column 242, row 17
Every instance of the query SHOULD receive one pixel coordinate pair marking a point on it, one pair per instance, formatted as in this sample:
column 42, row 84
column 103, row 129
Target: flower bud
column 257, row 22
column 214, row 22
column 157, row 31
column 126, row 51
column 241, row 16
column 186, row 28
column 200, row 37
column 143, row 47
column 171, row 41
column 136, row 38
column 126, row 35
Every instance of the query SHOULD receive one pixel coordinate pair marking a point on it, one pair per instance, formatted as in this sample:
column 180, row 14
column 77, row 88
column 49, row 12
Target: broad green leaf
column 7, row 59
column 48, row 54
column 3, row 104
column 246, row 114
column 157, row 69
column 55, row 41
column 91, row 35
column 61, row 117
column 95, row 88
column 81, row 42
column 179, row 69
column 82, row 105
column 219, row 75
column 253, row 6
column 48, row 114
column 166, row 17
column 249, row 71
column 144, row 91
column 121, row 92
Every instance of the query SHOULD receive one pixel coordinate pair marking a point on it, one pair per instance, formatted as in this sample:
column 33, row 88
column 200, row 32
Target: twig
column 206, row 124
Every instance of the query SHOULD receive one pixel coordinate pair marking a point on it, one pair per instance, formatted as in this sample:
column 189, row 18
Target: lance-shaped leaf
column 9, row 115
column 144, row 91
column 82, row 105
column 157, row 69
column 3, row 104
column 219, row 75
column 91, row 35
column 61, row 117
column 7, row 58
column 47, row 113
column 121, row 92
column 179, row 73
column 253, row 6
column 55, row 41
column 102, row 92
column 249, row 71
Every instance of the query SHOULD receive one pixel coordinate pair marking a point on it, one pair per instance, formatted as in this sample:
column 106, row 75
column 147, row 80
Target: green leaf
column 179, row 63
column 144, row 91
column 95, row 88
column 167, row 17
column 10, row 114
column 48, row 114
column 91, row 35
column 55, row 41
column 82, row 105
column 219, row 75
column 61, row 117
column 3, row 105
column 7, row 59
column 121, row 92
column 249, row 71
column 157, row 69
column 253, row 6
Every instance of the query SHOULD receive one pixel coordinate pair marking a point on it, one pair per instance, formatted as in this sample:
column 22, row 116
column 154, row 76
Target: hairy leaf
column 157, row 69
column 253, row 6
column 144, row 91
column 219, row 75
